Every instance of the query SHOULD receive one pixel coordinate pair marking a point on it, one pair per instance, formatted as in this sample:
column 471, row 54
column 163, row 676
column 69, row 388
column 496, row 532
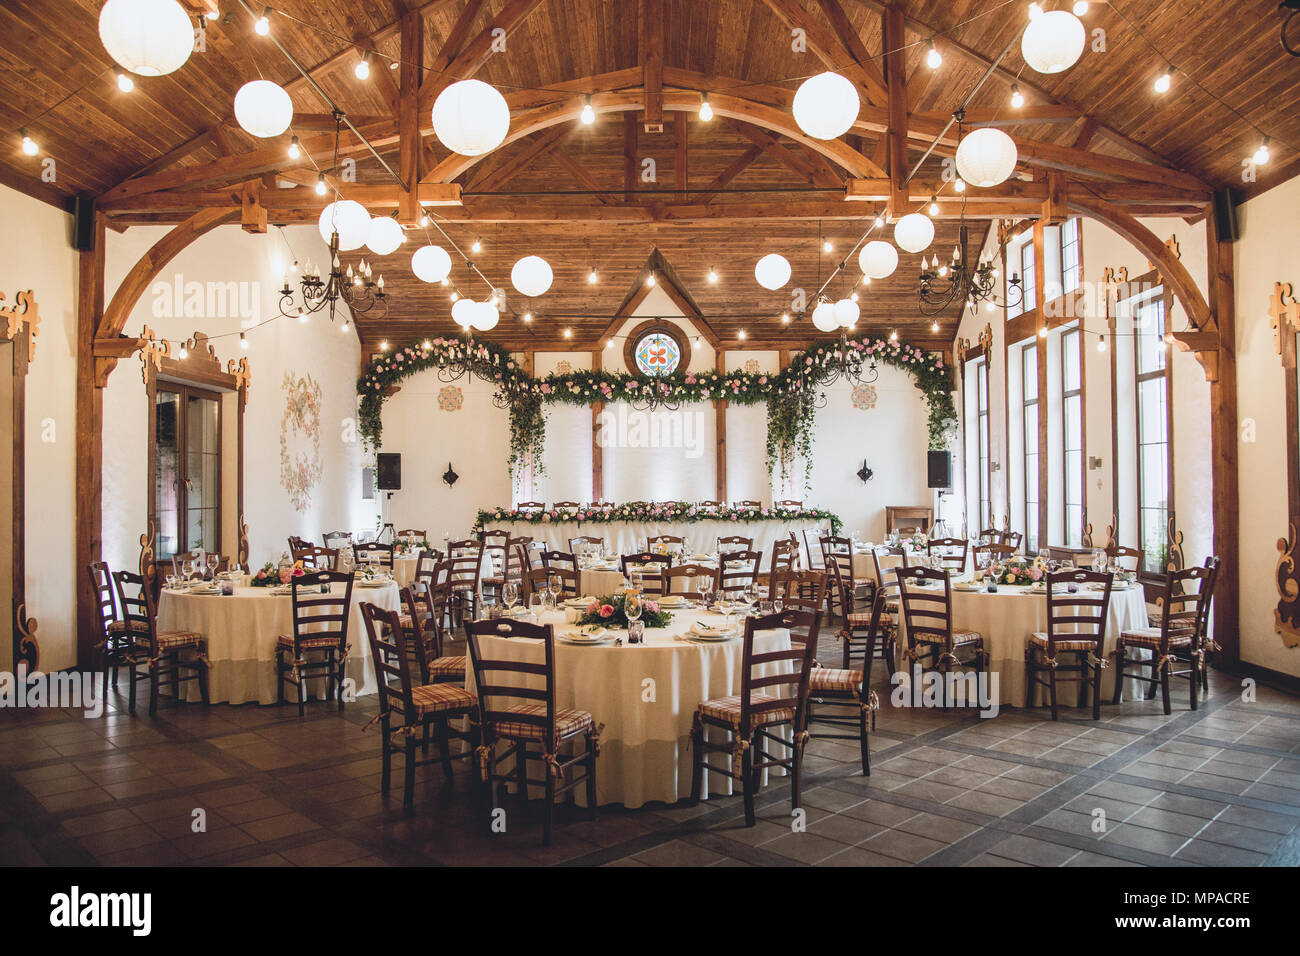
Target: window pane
column 1070, row 360
column 1149, row 335
column 1152, row 420
column 1030, row 363
column 1027, row 275
column 167, row 472
column 1070, row 255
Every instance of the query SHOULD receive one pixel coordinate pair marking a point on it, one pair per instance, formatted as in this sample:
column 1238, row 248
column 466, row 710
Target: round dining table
column 242, row 630
column 645, row 695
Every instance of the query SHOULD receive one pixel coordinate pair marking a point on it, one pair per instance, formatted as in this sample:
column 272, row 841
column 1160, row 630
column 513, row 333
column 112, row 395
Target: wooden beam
column 736, row 167
column 597, row 449
column 681, row 172
column 410, row 145
column 252, row 214
column 830, row 47
column 720, row 427
column 896, row 78
column 650, row 43
column 817, row 174
column 574, row 168
column 630, row 168
column 456, row 38
column 476, row 52
column 542, row 144
column 1224, row 469
column 1054, row 207
column 90, row 443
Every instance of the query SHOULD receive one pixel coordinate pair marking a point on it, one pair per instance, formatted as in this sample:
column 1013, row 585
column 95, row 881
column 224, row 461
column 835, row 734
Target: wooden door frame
column 25, row 646
column 185, row 388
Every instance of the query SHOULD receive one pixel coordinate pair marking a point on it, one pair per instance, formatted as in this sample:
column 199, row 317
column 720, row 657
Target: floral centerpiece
column 657, row 511
column 269, row 575
column 608, row 611
column 1016, row 571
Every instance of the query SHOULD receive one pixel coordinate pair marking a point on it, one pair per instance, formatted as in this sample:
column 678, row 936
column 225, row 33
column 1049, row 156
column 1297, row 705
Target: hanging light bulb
column 243, row 341
column 528, row 317
column 934, row 326
column 302, row 315
column 477, row 246
column 706, row 111
column 650, row 279
column 588, row 113
column 29, row 144
column 263, row 25
column 1034, row 10
column 125, row 83
column 933, row 59
column 383, row 346
column 362, row 69
column 959, row 185
column 879, row 223
column 1101, row 343
column 295, row 149
column 1017, row 98
column 713, row 276
column 591, row 276
column 1164, row 81
column 893, row 336
column 1261, row 155
column 934, row 206
column 785, row 318
column 826, row 246
column 741, row 335
column 424, row 221
column 853, row 297
column 568, row 333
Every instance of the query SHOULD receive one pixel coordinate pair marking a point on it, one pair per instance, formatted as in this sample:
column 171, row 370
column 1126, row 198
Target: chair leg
column 747, row 782
column 1164, row 686
column 1031, row 675
column 302, row 690
column 279, row 676
column 1051, row 686
column 591, row 777
column 201, row 667
column 154, row 677
column 108, row 665
column 550, row 805
column 1119, row 674
column 385, row 759
column 697, row 758
column 408, row 781
column 342, row 669
column 131, row 691
column 1193, row 678
column 863, row 740
column 1096, row 688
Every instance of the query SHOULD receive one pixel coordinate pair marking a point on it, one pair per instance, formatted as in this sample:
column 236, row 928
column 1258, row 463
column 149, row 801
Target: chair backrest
column 426, row 565
column 374, row 552
column 496, row 544
column 709, row 505
column 568, row 579
column 323, row 559
column 560, row 559
column 216, row 562
column 812, row 546
column 789, row 503
column 800, row 590
column 318, row 613
column 1081, row 615
column 927, row 611
column 783, row 553
column 517, row 561
column 838, row 555
column 1012, row 538
column 502, row 684
column 735, row 542
column 663, row 539
column 101, row 583
column 465, row 565
column 530, row 506
column 694, row 575
column 1118, row 553
column 887, row 558
column 748, row 503
column 1184, row 602
column 638, row 560
column 135, row 603
column 336, row 539
column 419, row 534
column 737, row 570
column 391, row 654
column 576, row 544
column 1212, row 564
column 295, row 543
column 983, row 554
column 781, row 676
column 951, row 551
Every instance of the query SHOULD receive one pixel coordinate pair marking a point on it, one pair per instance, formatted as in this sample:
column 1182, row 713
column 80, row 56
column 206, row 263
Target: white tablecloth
column 646, row 696
column 242, row 629
column 1007, row 618
column 625, row 537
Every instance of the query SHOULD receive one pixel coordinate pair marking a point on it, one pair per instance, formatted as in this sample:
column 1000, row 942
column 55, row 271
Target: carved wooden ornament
column 24, row 310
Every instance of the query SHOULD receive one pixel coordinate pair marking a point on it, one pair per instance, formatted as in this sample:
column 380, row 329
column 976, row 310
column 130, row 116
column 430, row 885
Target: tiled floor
column 1217, row 786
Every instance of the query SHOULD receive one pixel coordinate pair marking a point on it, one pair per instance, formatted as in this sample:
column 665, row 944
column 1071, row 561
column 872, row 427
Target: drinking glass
column 187, row 568
column 510, row 594
column 632, row 605
column 777, row 603
column 708, row 597
column 537, row 604
column 554, row 585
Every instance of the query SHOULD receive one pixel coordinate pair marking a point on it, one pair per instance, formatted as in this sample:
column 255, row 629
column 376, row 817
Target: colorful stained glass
column 657, row 354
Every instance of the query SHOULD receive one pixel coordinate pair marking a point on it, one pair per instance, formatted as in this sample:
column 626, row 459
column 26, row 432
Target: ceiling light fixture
column 320, row 184
column 263, row 25
column 295, row 148
column 29, row 144
column 125, row 83
column 362, row 69
column 706, row 111
column 591, row 276
column 1164, row 81
column 713, row 276
column 588, row 113
column 1261, row 155
column 1017, row 98
column 933, row 58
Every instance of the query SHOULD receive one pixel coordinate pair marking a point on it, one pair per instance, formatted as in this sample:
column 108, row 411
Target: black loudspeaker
column 83, row 223
column 388, row 472
column 1225, row 215
column 940, row 470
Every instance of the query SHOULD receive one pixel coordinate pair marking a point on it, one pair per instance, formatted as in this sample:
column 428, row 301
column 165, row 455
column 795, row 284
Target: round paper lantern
column 846, row 312
column 349, row 219
column 986, row 157
column 772, row 271
column 485, row 317
column 914, row 232
column 263, row 109
column 531, row 275
column 431, row 263
column 826, row 105
column 1053, row 41
column 823, row 317
column 146, row 37
column 878, row 259
column 471, row 118
column 464, row 312
column 385, row 235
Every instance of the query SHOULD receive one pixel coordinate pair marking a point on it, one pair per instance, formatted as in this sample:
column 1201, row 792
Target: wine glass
column 187, row 568
column 510, row 594
column 554, row 585
column 632, row 606
column 708, row 596
column 748, row 595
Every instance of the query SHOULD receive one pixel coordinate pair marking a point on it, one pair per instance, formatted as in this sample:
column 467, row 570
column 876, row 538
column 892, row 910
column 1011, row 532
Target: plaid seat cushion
column 1039, row 639
column 567, row 723
column 727, row 710
column 175, row 640
column 440, row 698
column 1150, row 637
column 117, row 627
column 958, row 638
column 444, row 667
column 824, row 680
column 325, row 640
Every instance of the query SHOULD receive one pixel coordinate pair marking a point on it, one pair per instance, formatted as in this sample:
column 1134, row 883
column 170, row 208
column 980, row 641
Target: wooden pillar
column 720, row 415
column 90, row 442
column 597, row 452
column 630, row 165
column 410, row 143
column 1223, row 449
column 680, row 172
column 895, row 45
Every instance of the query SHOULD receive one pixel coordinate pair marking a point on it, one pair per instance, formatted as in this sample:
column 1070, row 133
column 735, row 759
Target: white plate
column 580, row 638
column 673, row 600
column 372, row 584
column 709, row 633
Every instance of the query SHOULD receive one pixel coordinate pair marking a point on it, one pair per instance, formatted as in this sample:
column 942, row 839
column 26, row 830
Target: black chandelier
column 846, row 366
column 358, row 289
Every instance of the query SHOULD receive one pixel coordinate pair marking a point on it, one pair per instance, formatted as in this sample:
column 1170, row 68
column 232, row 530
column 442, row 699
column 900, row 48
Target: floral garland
column 790, row 395
column 608, row 610
column 654, row 511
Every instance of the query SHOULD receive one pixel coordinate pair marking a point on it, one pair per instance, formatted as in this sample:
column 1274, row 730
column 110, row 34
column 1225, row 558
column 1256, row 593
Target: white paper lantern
column 431, row 263
column 823, row 317
column 914, row 232
column 826, row 105
column 986, row 157
column 471, row 118
column 486, row 316
column 147, row 37
column 772, row 271
column 385, row 235
column 532, row 276
column 846, row 312
column 464, row 312
column 349, row 219
column 263, row 109
column 1053, row 41
column 878, row 259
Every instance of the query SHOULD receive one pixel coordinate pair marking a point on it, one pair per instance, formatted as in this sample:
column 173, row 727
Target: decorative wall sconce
column 865, row 474
column 449, row 476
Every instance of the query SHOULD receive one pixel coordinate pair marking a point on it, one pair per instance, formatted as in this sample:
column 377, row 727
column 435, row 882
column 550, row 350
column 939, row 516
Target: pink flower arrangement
column 606, row 610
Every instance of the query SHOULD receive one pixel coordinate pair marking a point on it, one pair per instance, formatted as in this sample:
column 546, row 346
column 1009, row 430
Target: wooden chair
column 951, row 551
column 496, row 546
column 374, row 554
column 709, row 505
column 515, row 711
column 752, row 718
column 405, row 704
column 691, row 574
column 426, row 564
column 567, row 575
column 418, row 534
column 1076, row 624
column 789, row 503
column 1117, row 553
column 871, row 628
column 931, row 638
column 801, row 590
column 736, row 571
column 749, row 503
column 603, row 505
column 115, row 638
column 320, row 624
column 985, row 554
column 887, row 559
column 1177, row 640
column 565, row 560
column 812, row 546
column 517, row 560
column 215, row 562
column 464, row 568
column 161, row 653
column 735, row 542
column 295, row 544
column 337, row 539
column 576, row 544
column 669, row 541
column 566, row 505
column 783, row 557
column 318, row 559
column 642, row 563
column 1207, row 642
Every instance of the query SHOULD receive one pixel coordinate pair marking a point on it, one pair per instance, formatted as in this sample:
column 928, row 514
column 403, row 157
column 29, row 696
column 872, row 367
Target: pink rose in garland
column 606, row 610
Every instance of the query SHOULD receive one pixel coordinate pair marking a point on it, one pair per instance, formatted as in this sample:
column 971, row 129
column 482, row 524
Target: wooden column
column 90, row 442
column 410, row 143
column 630, row 166
column 1223, row 449
column 720, row 415
column 895, row 44
column 1040, row 278
column 597, row 452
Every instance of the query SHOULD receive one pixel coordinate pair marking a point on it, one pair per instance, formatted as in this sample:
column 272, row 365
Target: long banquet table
column 646, row 696
column 624, row 537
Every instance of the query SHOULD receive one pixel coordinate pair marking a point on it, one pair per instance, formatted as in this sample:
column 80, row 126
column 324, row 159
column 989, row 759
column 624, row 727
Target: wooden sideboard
column 900, row 517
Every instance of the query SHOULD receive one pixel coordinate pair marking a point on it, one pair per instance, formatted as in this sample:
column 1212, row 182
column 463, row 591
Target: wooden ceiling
column 725, row 192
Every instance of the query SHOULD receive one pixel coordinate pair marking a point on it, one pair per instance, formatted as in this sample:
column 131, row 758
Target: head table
column 626, row 537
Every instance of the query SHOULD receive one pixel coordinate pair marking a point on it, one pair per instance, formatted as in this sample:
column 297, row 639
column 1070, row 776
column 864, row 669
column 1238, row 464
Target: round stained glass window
column 657, row 354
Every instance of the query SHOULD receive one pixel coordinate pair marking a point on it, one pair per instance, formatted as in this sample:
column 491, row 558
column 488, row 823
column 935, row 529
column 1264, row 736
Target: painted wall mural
column 451, row 398
column 300, row 464
column 863, row 396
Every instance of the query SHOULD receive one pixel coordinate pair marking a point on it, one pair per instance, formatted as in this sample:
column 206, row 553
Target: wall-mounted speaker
column 939, row 469
column 1225, row 215
column 388, row 472
column 83, row 223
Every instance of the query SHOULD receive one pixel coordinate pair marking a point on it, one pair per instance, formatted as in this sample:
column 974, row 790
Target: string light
column 741, row 335
column 1164, row 81
column 263, row 25
column 243, row 341
column 383, row 346
column 454, row 295
column 320, row 184
column 650, row 279
column 588, row 113
column 125, row 83
column 1034, row 10
column 713, row 276
column 477, row 247
column 424, row 221
column 934, row 326
column 295, row 150
column 1261, row 155
column 1017, row 98
column 29, row 144
column 528, row 317
column 785, row 318
column 1042, row 331
column 826, row 246
column 591, row 276
column 1080, row 7
column 893, row 336
column 568, row 333
column 959, row 184
column 608, row 343
column 362, row 69
column 1101, row 343
column 933, row 59
column 706, row 111
column 344, row 327
column 934, row 206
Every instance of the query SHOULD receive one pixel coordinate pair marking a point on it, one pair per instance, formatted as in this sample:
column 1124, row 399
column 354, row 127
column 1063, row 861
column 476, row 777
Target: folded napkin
column 593, row 633
column 710, row 630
